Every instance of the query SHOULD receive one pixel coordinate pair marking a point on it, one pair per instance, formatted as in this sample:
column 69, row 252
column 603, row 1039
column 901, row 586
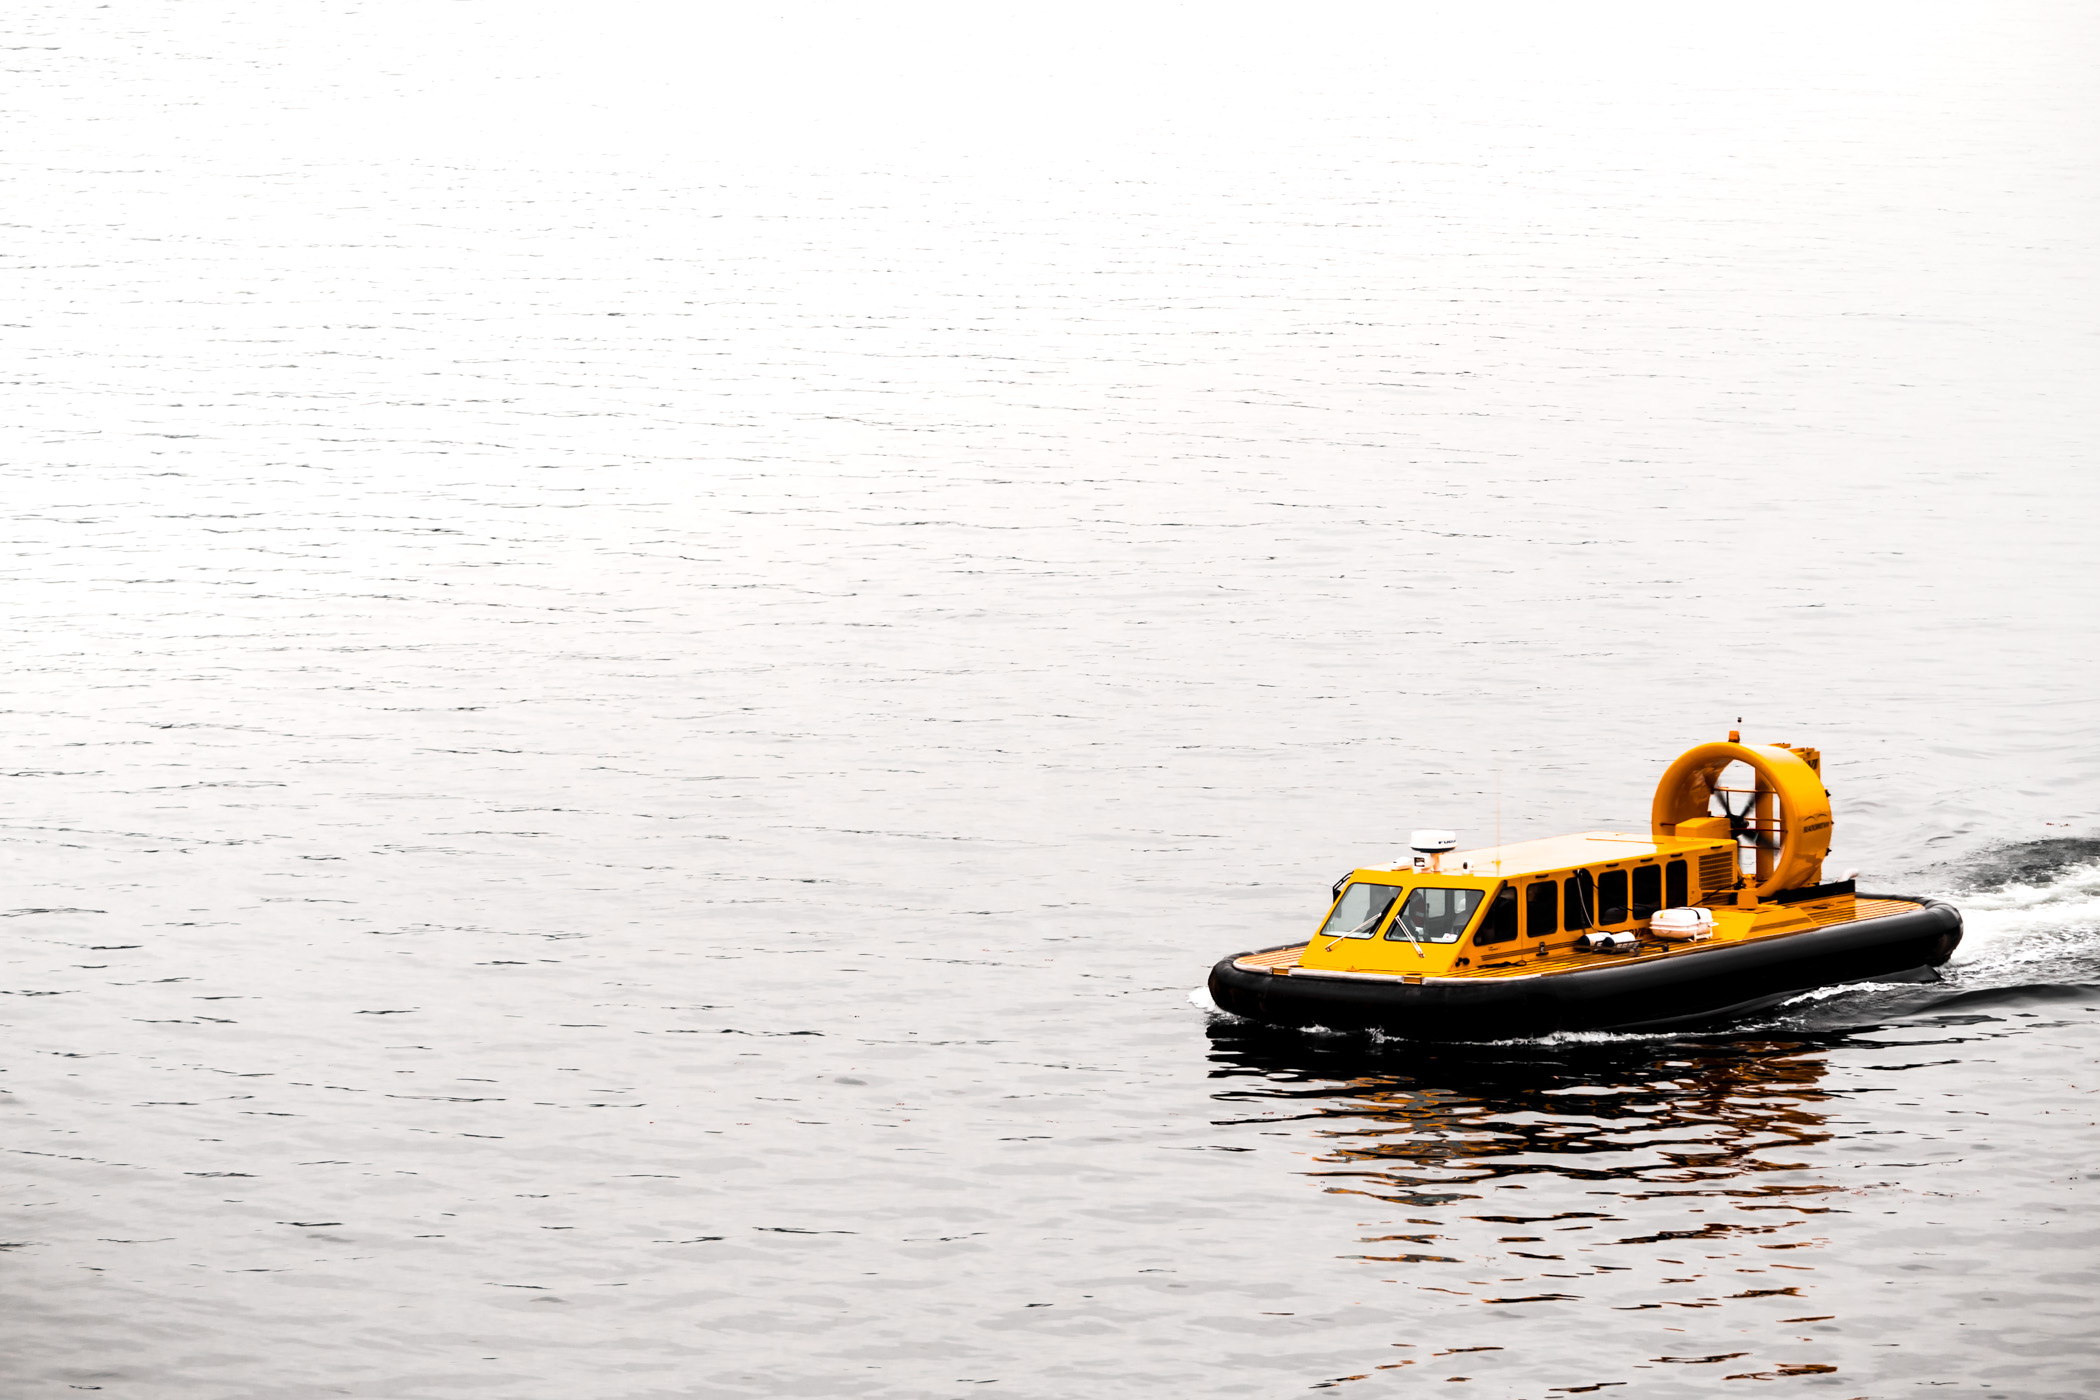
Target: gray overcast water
column 649, row 649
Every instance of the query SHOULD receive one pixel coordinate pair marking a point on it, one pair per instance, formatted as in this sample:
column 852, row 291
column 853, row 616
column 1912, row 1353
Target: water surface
column 553, row 555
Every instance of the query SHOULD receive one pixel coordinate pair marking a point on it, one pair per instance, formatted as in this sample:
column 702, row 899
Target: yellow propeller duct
column 1784, row 816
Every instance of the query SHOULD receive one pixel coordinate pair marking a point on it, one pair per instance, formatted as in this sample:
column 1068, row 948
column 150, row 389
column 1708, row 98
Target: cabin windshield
column 1434, row 915
column 1360, row 910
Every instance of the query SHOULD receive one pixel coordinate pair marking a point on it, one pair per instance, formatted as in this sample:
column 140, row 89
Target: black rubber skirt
column 1699, row 985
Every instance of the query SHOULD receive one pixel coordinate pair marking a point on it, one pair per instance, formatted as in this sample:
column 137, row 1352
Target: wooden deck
column 1557, row 955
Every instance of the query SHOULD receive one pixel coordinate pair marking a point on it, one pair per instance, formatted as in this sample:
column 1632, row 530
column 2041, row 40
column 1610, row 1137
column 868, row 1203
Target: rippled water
column 553, row 553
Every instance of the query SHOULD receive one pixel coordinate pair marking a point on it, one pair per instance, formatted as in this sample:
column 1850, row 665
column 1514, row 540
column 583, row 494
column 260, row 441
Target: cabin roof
column 1583, row 848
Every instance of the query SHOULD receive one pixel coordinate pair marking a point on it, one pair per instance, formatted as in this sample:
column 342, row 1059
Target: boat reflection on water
column 1643, row 1202
column 1427, row 1125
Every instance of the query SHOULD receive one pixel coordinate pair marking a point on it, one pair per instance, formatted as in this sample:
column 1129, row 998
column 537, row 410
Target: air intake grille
column 1717, row 870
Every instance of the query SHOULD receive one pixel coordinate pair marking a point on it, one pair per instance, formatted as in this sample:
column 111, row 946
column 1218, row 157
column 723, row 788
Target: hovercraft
column 1719, row 910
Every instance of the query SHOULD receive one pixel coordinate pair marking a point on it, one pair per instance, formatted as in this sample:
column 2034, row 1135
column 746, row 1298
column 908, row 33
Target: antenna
column 1498, row 816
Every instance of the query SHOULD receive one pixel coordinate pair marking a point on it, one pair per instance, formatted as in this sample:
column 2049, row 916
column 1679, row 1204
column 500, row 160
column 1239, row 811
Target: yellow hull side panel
column 1528, row 960
column 1522, row 863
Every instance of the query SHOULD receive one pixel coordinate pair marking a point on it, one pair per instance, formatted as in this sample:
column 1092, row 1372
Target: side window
column 1611, row 897
column 1581, row 900
column 1500, row 925
column 1540, row 903
column 1674, row 877
column 1647, row 890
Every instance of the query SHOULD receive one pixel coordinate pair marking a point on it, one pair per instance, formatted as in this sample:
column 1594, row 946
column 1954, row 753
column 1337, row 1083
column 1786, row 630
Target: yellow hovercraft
column 1607, row 930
